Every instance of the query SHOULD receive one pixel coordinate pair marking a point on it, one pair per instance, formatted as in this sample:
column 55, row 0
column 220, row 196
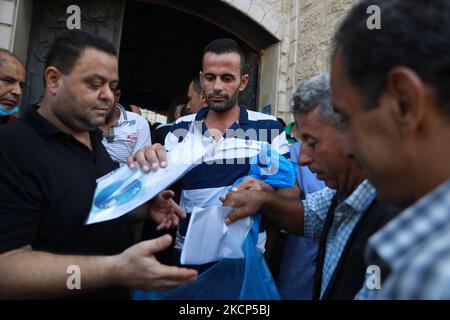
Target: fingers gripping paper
column 124, row 190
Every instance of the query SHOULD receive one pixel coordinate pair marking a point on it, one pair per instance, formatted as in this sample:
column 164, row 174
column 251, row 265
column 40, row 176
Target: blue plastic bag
column 272, row 168
column 229, row 279
column 238, row 279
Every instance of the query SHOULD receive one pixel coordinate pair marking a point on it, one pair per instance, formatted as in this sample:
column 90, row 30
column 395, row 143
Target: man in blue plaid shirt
column 341, row 216
column 391, row 87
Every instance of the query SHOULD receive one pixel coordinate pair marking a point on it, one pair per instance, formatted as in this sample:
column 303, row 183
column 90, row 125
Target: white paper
column 209, row 239
column 123, row 190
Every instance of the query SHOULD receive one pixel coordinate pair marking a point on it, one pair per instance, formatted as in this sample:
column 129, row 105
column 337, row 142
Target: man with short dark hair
column 124, row 132
column 48, row 177
column 196, row 96
column 224, row 123
column 12, row 77
column 391, row 87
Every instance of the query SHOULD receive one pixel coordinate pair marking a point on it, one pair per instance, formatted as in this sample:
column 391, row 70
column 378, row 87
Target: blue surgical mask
column 6, row 112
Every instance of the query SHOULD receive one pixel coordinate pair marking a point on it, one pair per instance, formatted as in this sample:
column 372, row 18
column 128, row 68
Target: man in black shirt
column 48, row 176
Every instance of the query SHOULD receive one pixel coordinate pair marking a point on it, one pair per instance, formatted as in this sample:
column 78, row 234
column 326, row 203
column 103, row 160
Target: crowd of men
column 372, row 190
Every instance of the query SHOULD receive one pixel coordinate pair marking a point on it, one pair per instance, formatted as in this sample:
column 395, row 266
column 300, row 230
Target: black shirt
column 47, row 183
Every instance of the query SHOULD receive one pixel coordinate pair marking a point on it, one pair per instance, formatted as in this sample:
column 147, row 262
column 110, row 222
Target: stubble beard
column 222, row 106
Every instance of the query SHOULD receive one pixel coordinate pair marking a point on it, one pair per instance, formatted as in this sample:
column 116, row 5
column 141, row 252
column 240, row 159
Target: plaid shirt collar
column 398, row 239
column 361, row 198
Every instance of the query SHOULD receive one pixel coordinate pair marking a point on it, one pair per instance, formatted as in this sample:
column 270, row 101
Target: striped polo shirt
column 206, row 183
column 129, row 134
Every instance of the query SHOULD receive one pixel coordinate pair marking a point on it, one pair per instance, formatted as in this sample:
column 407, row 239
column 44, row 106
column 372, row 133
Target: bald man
column 12, row 77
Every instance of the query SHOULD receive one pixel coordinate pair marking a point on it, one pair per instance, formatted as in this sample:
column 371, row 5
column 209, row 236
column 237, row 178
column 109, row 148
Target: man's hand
column 245, row 203
column 253, row 184
column 149, row 158
column 164, row 211
column 137, row 267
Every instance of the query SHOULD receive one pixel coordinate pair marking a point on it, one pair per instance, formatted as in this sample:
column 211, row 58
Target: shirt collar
column 243, row 115
column 288, row 128
column 413, row 226
column 123, row 115
column 361, row 197
column 40, row 124
column 45, row 128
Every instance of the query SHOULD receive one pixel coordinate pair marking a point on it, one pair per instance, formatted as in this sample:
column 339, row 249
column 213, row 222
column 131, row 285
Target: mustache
column 214, row 95
column 103, row 104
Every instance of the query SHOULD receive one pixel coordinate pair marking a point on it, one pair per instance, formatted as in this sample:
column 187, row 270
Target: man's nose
column 218, row 85
column 17, row 90
column 107, row 94
column 304, row 158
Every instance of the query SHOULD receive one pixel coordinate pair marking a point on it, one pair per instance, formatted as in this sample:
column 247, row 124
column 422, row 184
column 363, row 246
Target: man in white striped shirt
column 124, row 133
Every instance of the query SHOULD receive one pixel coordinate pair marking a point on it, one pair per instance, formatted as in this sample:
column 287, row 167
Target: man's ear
column 200, row 76
column 244, row 82
column 51, row 77
column 409, row 94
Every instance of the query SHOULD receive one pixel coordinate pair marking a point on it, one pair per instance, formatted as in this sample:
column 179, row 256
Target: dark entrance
column 161, row 49
column 160, row 44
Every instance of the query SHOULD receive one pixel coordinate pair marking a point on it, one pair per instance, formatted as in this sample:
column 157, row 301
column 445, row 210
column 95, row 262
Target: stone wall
column 316, row 25
column 306, row 30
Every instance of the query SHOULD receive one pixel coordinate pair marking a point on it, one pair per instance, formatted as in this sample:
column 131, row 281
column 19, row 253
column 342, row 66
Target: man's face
column 372, row 138
column 221, row 80
column 86, row 95
column 112, row 110
column 12, row 77
column 322, row 151
column 196, row 100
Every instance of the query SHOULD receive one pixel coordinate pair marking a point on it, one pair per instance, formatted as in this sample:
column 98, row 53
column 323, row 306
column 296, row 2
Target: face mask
column 6, row 112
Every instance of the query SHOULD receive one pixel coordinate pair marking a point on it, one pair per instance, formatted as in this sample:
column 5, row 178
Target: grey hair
column 313, row 93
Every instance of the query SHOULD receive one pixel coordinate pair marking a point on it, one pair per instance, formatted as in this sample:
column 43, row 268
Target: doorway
column 161, row 50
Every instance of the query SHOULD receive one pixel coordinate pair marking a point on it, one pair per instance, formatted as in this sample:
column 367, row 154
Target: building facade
column 288, row 41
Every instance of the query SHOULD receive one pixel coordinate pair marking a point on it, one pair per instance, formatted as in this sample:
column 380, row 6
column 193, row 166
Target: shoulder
column 136, row 117
column 18, row 143
column 259, row 116
column 426, row 275
column 264, row 121
column 14, row 131
column 183, row 122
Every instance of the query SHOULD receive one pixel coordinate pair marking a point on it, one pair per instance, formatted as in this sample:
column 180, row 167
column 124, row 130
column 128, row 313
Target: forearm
column 25, row 274
column 284, row 210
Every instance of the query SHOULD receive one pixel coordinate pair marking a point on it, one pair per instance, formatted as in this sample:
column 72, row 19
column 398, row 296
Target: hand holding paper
column 124, row 190
column 208, row 239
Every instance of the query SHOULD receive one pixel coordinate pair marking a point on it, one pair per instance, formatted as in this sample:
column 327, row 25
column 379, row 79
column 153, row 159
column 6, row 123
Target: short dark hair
column 69, row 46
column 414, row 33
column 225, row 45
column 196, row 84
